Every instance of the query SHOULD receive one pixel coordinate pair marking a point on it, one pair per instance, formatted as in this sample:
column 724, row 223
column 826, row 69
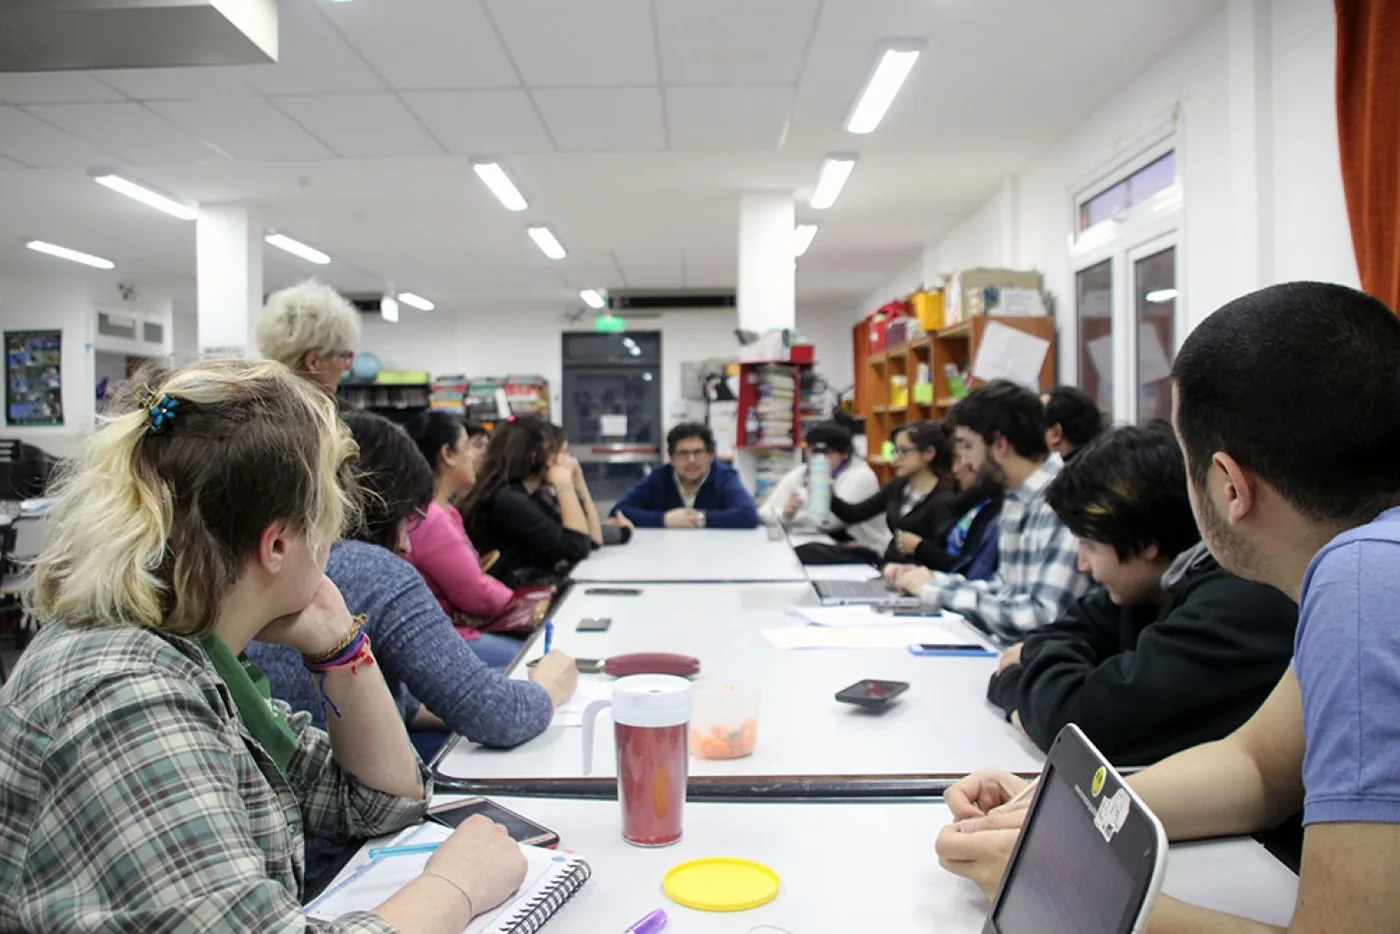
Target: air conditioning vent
column 636, row 301
column 116, row 326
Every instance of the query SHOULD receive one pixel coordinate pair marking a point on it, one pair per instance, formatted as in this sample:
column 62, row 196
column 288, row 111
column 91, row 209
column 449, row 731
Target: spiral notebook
column 550, row 880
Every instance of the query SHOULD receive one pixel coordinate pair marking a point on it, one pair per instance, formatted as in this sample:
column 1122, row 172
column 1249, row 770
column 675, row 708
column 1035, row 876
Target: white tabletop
column 693, row 555
column 941, row 726
column 844, row 868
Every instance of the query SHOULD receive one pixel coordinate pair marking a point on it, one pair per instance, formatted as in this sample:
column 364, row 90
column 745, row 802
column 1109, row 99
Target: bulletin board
column 34, row 378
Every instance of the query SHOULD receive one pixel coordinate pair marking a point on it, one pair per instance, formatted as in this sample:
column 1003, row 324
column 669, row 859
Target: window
column 1137, row 188
column 1124, row 255
column 1094, row 294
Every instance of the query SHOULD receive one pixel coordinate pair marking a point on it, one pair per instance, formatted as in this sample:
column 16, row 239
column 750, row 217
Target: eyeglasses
column 415, row 520
column 905, row 452
column 347, row 357
column 689, row 455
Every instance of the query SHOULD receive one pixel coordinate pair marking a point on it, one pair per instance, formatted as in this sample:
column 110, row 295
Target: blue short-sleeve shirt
column 1347, row 659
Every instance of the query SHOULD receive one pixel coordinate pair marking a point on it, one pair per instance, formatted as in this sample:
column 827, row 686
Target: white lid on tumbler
column 651, row 701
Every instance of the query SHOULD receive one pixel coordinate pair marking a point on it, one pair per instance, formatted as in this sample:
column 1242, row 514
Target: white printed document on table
column 935, row 631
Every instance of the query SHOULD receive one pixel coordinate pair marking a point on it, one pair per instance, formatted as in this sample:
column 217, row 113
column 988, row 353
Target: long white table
column 693, row 556
column 844, row 868
column 941, row 726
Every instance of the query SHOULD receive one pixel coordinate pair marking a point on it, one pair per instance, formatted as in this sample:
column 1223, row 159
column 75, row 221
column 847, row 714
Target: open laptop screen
column 1065, row 876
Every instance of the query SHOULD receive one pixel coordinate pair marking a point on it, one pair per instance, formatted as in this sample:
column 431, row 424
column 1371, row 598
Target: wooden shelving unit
column 956, row 344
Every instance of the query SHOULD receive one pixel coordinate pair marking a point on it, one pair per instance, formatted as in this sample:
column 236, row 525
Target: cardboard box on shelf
column 972, row 292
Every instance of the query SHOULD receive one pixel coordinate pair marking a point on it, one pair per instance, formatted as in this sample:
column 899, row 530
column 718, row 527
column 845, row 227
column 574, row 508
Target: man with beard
column 1301, row 496
column 1000, row 432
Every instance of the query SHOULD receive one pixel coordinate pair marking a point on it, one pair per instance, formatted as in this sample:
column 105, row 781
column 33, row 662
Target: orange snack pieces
column 725, row 742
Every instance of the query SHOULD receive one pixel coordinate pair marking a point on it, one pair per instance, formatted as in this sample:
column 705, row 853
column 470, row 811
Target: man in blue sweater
column 693, row 491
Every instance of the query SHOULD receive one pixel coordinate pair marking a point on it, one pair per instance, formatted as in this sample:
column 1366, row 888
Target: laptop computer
column 873, row 592
column 1091, row 856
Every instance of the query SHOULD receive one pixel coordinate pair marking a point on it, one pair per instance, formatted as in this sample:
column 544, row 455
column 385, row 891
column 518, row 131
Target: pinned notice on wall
column 613, row 426
column 1006, row 353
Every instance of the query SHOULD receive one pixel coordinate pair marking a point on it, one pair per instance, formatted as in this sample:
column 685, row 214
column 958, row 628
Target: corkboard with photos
column 33, row 378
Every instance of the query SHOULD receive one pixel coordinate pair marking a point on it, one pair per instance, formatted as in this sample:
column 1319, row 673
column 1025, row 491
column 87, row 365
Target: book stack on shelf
column 527, row 394
column 449, row 395
column 769, row 421
column 811, row 409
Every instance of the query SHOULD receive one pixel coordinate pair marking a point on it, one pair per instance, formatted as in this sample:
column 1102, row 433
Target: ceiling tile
column 314, row 58
column 247, row 128
column 55, row 87
column 649, row 259
column 728, row 118
column 362, row 126
column 598, row 43
column 473, row 123
column 426, row 44
column 32, row 141
column 604, row 120
column 734, row 41
column 9, row 164
column 707, row 278
column 129, row 130
column 175, row 84
column 712, row 259
column 654, row 278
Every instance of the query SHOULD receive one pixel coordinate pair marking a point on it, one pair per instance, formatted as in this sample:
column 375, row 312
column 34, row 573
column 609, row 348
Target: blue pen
column 379, row 852
column 548, row 634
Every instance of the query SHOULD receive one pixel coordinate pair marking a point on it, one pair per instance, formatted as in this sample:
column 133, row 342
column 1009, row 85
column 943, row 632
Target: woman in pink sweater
column 442, row 553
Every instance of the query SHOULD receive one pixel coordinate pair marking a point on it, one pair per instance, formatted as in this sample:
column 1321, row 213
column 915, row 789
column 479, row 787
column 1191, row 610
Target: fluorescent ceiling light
column 416, row 301
column 1161, row 295
column 884, row 84
column 146, row 196
column 496, row 179
column 544, row 238
column 802, row 236
column 389, row 309
column 62, row 252
column 592, row 298
column 297, row 248
column 832, row 178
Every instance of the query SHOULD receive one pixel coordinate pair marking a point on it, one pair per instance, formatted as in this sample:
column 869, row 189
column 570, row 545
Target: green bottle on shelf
column 957, row 385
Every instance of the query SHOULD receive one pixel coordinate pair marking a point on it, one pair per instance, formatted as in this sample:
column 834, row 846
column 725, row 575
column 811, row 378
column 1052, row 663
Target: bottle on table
column 819, row 483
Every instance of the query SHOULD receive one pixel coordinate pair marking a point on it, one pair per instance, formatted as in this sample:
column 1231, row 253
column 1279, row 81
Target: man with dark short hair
column 1287, row 405
column 999, row 431
column 1170, row 650
column 1072, row 420
column 693, row 491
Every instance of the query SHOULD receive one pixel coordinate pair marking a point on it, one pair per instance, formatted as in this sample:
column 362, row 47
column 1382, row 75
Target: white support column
column 767, row 270
column 1251, row 142
column 229, row 263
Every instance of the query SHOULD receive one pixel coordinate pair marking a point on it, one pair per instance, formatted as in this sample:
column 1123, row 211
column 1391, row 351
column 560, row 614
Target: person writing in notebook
column 1302, row 497
column 149, row 784
column 1000, row 430
column 693, row 491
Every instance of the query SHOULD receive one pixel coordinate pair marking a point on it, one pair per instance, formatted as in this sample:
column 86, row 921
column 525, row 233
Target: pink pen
column 650, row 924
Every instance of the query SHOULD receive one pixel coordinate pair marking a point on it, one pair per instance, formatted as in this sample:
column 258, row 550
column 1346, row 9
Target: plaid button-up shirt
column 1038, row 574
column 132, row 799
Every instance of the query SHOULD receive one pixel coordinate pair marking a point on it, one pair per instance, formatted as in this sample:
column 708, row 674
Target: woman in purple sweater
column 440, row 682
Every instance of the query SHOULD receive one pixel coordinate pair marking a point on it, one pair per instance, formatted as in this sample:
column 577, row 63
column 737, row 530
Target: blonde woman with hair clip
column 312, row 330
column 148, row 783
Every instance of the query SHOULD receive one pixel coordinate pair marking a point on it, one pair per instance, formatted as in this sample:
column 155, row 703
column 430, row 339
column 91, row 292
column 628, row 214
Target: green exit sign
column 609, row 324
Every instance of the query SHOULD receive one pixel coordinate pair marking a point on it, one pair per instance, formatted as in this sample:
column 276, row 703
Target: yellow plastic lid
column 721, row 883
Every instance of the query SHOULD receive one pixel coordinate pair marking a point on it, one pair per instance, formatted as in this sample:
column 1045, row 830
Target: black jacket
column 925, row 520
column 1146, row 682
column 534, row 545
column 933, row 550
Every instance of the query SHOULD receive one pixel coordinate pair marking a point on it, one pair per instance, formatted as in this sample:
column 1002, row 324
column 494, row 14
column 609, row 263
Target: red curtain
column 1368, row 124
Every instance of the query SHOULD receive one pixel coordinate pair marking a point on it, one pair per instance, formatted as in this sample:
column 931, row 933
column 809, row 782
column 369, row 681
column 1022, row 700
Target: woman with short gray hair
column 312, row 330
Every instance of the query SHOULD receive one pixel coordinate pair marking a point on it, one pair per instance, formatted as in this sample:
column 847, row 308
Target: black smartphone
column 586, row 666
column 594, row 624
column 521, row 830
column 613, row 592
column 871, row 694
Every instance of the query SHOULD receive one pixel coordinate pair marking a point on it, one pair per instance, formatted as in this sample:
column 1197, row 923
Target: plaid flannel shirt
column 132, row 799
column 1038, row 575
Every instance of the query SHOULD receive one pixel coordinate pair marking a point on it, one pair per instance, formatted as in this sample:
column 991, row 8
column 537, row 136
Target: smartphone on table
column 521, row 829
column 872, row 694
column 594, row 624
column 586, row 666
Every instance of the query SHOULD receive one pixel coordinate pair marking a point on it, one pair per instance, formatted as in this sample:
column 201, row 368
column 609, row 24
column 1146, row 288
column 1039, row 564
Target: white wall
column 527, row 341
column 1301, row 222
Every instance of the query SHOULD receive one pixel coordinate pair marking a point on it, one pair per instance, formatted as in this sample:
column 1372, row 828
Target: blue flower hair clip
column 163, row 411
